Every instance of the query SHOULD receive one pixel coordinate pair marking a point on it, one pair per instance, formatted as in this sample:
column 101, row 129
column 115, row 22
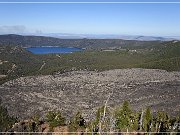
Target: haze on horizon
column 118, row 19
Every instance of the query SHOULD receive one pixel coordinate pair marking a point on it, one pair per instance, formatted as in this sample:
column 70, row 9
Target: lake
column 48, row 50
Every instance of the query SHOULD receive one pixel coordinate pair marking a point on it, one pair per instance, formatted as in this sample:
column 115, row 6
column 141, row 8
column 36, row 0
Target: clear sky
column 124, row 19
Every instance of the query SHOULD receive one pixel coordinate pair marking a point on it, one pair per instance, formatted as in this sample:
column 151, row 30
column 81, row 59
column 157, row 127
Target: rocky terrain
column 85, row 91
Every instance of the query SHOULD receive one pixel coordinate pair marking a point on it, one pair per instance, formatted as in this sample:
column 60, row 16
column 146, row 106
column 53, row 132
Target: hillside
column 27, row 41
column 16, row 61
column 124, row 70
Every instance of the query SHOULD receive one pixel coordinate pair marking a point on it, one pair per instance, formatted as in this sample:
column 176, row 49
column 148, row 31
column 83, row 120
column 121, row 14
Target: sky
column 152, row 19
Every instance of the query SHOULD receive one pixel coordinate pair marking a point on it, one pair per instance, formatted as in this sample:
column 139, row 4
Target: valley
column 144, row 73
column 96, row 67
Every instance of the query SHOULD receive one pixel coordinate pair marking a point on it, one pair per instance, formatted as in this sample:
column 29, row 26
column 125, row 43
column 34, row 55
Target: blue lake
column 48, row 50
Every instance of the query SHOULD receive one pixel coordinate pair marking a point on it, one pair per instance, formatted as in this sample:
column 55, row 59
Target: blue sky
column 124, row 19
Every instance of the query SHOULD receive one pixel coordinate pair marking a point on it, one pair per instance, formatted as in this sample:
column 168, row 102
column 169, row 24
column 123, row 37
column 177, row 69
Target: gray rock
column 85, row 91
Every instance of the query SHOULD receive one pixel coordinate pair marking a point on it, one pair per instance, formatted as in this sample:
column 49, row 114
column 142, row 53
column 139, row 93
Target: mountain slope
column 15, row 61
column 27, row 41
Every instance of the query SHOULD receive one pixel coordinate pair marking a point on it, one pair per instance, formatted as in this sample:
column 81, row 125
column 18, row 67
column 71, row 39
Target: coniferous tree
column 163, row 121
column 6, row 121
column 123, row 117
column 147, row 120
column 135, row 121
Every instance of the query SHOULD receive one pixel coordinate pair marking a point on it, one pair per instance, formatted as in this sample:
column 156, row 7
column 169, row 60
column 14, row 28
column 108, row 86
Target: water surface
column 48, row 50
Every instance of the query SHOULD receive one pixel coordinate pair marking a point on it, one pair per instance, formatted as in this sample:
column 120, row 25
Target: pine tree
column 6, row 121
column 163, row 121
column 147, row 120
column 135, row 121
column 123, row 117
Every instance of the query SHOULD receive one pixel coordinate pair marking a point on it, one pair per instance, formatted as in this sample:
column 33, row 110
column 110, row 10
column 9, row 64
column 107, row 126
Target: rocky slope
column 86, row 90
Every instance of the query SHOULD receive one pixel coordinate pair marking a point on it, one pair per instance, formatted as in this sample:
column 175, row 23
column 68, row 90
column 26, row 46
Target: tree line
column 107, row 119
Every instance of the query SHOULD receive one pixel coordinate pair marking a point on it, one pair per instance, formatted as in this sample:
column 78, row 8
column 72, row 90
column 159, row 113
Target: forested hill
column 27, row 41
column 15, row 61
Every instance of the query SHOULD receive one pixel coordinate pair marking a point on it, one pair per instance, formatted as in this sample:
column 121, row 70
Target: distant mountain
column 109, row 36
column 92, row 43
column 151, row 38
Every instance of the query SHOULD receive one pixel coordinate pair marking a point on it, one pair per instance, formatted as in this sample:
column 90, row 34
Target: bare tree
column 104, row 113
column 141, row 120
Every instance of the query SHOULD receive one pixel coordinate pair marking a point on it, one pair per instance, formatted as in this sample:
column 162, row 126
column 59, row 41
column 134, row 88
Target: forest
column 165, row 55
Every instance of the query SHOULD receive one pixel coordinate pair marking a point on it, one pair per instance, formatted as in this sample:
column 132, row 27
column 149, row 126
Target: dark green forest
column 16, row 61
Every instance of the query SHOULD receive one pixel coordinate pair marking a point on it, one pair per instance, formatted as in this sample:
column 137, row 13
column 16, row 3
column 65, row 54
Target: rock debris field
column 85, row 91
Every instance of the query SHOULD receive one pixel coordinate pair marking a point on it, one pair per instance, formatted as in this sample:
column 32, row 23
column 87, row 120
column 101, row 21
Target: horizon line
column 74, row 34
column 88, row 2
